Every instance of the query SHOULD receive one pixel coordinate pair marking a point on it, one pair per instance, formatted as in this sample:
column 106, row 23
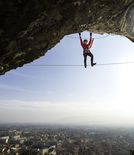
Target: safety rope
column 71, row 65
column 93, row 37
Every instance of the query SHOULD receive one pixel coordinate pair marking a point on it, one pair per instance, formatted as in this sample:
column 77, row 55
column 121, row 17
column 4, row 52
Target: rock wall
column 29, row 28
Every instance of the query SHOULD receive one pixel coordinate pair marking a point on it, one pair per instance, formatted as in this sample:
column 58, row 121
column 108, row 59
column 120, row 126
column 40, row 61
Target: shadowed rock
column 28, row 29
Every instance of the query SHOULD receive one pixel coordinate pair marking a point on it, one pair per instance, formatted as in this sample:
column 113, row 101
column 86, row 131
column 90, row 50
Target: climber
column 86, row 52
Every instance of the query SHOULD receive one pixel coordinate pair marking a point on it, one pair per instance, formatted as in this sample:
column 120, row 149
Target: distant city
column 62, row 140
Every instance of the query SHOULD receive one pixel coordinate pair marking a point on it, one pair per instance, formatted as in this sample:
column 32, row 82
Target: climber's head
column 85, row 41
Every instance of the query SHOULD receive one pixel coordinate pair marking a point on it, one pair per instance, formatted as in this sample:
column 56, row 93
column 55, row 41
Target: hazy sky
column 98, row 95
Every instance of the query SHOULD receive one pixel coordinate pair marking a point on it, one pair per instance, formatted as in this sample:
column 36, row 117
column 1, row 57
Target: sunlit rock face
column 29, row 28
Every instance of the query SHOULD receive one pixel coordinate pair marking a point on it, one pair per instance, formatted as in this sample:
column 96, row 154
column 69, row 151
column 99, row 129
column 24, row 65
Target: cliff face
column 29, row 28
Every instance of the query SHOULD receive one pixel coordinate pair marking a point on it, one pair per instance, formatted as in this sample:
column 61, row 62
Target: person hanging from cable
column 86, row 49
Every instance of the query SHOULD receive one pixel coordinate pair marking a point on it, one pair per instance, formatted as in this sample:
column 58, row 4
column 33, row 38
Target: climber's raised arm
column 81, row 39
column 90, row 41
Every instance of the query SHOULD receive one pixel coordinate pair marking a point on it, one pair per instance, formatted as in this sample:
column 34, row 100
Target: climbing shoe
column 93, row 64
